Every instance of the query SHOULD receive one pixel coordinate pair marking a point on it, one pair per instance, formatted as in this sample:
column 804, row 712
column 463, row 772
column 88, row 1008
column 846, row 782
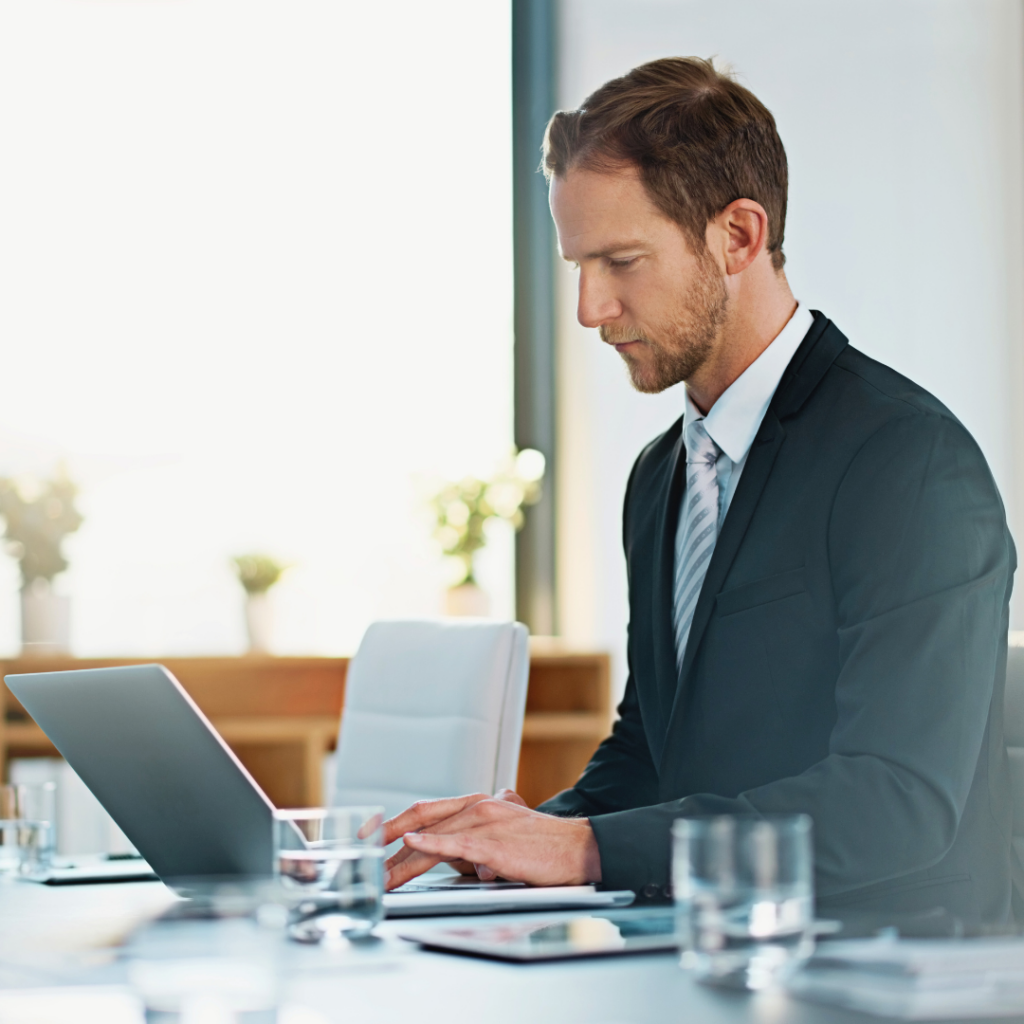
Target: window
column 256, row 262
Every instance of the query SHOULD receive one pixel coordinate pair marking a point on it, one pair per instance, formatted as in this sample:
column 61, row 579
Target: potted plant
column 463, row 508
column 38, row 515
column 257, row 574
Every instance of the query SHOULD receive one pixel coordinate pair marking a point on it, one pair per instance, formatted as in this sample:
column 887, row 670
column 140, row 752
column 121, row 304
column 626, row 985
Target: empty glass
column 329, row 862
column 27, row 827
column 744, row 897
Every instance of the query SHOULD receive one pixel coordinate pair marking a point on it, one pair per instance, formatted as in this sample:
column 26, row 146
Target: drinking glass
column 744, row 897
column 329, row 862
column 27, row 827
column 210, row 988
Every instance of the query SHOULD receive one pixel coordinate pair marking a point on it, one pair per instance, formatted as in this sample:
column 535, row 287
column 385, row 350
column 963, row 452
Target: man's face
column 641, row 284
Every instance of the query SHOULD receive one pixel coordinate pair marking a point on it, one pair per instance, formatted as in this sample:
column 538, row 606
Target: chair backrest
column 1013, row 731
column 433, row 708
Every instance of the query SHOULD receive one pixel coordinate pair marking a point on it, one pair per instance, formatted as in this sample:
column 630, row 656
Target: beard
column 676, row 348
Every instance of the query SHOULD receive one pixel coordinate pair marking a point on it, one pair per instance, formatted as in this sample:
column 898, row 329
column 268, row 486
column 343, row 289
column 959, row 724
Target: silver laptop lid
column 157, row 765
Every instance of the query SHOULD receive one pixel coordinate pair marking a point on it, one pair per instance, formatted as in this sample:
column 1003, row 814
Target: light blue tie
column 697, row 530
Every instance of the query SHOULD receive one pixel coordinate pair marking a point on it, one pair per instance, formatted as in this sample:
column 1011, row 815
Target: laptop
column 158, row 767
column 188, row 805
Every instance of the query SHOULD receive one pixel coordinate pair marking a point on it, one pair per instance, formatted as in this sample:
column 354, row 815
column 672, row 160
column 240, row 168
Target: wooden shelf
column 561, row 725
column 281, row 715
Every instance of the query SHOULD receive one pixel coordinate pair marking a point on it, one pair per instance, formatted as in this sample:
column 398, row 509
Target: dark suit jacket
column 847, row 654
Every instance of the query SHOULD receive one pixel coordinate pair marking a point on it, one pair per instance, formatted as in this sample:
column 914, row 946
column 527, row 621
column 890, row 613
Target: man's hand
column 433, row 812
column 498, row 836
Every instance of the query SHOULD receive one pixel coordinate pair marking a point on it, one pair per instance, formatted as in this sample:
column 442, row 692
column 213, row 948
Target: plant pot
column 259, row 622
column 45, row 620
column 467, row 601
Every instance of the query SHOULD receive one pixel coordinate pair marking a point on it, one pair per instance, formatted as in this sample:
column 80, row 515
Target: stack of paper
column 930, row 979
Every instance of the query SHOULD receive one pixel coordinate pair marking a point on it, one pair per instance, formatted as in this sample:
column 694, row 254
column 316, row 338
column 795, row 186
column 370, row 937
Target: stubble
column 677, row 348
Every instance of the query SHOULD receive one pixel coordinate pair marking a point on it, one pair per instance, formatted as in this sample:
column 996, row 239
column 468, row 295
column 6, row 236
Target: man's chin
column 646, row 379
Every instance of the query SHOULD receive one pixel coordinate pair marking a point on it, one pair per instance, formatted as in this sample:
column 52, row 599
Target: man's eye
column 621, row 264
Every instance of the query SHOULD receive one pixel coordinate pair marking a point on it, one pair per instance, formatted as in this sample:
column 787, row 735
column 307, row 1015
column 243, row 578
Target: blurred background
column 256, row 275
column 269, row 271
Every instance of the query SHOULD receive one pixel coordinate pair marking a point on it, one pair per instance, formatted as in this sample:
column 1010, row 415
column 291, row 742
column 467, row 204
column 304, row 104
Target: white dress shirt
column 734, row 419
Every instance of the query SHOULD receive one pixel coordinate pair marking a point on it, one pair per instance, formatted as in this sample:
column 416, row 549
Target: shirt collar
column 734, row 419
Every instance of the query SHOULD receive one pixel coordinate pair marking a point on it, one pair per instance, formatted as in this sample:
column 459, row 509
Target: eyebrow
column 609, row 250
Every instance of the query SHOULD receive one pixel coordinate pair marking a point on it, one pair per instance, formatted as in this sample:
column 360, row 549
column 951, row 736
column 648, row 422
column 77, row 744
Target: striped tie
column 697, row 531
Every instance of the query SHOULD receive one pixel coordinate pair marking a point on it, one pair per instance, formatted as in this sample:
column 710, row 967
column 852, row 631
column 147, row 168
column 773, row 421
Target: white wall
column 903, row 124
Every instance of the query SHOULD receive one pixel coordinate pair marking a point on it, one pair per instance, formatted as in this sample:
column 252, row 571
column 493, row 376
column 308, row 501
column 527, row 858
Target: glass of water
column 27, row 827
column 744, row 897
column 329, row 862
column 211, row 988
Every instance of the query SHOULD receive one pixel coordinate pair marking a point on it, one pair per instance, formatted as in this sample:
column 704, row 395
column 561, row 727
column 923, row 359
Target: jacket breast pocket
column 776, row 622
column 761, row 592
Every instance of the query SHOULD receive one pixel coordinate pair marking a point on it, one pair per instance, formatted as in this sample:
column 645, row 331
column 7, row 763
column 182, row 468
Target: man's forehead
column 597, row 212
column 583, row 190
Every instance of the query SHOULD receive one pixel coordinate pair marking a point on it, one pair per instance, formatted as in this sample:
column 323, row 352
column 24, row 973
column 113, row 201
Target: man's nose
column 597, row 303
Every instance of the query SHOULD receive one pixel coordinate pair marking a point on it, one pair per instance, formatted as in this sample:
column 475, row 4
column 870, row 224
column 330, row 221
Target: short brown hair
column 699, row 139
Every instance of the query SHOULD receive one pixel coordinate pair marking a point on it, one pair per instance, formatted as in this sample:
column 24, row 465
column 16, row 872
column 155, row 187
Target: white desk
column 54, row 936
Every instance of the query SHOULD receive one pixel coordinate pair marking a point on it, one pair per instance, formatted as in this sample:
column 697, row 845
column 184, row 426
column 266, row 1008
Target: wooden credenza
column 281, row 715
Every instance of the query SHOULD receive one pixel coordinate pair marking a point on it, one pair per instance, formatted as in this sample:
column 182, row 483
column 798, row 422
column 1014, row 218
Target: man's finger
column 370, row 826
column 510, row 796
column 472, row 815
column 403, row 853
column 461, row 846
column 425, row 813
column 412, row 867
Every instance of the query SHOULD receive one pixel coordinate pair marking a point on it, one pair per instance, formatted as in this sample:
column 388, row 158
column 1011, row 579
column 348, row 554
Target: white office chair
column 433, row 708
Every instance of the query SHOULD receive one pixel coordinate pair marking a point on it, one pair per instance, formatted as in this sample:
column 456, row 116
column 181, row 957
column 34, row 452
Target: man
column 819, row 565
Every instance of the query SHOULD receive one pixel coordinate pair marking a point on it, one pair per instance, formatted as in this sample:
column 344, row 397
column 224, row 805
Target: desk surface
column 69, row 936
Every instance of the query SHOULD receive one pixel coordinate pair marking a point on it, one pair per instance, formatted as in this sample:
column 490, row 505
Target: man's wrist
column 591, row 854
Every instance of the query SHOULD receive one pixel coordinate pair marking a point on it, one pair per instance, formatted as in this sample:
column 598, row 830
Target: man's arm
column 921, row 566
column 496, row 837
column 501, row 836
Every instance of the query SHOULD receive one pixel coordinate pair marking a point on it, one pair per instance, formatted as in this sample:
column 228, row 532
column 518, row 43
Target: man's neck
column 756, row 318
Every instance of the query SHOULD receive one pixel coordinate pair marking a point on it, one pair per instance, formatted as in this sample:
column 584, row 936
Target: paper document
column 932, row 979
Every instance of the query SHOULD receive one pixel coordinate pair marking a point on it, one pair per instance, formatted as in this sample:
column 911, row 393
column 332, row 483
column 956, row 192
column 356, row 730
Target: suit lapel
column 812, row 359
column 755, row 475
column 664, row 570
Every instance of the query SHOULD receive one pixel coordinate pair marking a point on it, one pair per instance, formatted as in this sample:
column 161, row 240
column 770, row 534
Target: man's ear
column 740, row 234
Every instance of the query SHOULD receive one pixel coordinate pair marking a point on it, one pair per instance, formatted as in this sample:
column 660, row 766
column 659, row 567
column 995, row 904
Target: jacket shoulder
column 883, row 387
column 869, row 408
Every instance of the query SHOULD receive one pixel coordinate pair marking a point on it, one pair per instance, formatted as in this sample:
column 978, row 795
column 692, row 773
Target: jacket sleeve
column 921, row 564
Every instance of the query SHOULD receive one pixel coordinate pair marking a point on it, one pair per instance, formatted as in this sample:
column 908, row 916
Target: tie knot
column 699, row 446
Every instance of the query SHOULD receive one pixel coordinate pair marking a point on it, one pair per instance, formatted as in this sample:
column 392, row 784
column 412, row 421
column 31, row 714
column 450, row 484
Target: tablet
column 610, row 933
